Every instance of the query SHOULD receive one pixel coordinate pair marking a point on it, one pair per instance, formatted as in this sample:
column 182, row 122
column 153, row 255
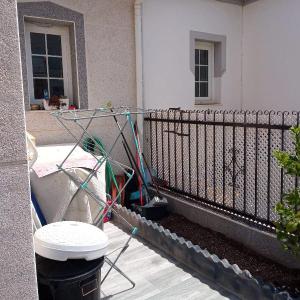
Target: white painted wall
column 168, row 80
column 271, row 63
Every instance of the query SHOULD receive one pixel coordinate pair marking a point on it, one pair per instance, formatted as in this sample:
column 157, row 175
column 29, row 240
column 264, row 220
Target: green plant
column 288, row 226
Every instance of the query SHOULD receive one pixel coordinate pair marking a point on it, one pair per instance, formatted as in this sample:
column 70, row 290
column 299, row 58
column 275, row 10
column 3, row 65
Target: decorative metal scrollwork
column 233, row 168
column 176, row 130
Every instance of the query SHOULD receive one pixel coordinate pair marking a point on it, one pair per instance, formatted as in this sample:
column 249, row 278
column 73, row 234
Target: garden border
column 250, row 235
column 230, row 277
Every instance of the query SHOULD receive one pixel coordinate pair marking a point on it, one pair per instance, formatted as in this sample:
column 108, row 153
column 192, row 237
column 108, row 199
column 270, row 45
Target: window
column 48, row 62
column 204, row 67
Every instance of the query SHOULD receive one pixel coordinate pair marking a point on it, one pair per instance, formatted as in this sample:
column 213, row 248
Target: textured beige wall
column 110, row 54
column 48, row 131
column 17, row 276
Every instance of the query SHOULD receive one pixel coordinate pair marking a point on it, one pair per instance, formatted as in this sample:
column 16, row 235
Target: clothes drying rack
column 80, row 126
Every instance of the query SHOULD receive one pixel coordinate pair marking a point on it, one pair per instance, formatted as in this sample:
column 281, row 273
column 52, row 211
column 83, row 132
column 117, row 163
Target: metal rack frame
column 78, row 117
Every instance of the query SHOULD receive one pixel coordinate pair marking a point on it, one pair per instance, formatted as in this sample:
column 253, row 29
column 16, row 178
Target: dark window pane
column 196, row 56
column 203, row 57
column 55, row 67
column 54, row 44
column 203, row 89
column 203, row 73
column 197, row 68
column 39, row 66
column 56, row 87
column 197, row 89
column 40, row 85
column 37, row 43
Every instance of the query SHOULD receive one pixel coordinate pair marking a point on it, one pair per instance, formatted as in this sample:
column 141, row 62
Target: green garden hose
column 94, row 145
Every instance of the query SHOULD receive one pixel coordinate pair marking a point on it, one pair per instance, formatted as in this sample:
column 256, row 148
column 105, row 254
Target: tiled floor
column 156, row 276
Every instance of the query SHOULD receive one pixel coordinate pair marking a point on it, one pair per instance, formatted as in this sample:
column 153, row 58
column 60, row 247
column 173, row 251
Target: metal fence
column 223, row 159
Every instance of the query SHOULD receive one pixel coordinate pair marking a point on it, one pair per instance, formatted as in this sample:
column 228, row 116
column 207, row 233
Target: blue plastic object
column 84, row 186
column 38, row 209
column 135, row 230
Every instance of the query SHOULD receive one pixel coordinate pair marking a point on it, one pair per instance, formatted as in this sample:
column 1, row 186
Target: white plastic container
column 70, row 240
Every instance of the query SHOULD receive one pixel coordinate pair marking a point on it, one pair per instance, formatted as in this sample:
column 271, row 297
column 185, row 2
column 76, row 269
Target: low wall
column 263, row 243
column 239, row 283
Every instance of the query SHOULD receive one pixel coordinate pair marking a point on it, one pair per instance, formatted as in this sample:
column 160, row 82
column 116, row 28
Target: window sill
column 41, row 111
column 206, row 102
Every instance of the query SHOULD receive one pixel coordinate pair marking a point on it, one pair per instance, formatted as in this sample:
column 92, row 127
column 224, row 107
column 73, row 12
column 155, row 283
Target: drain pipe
column 138, row 10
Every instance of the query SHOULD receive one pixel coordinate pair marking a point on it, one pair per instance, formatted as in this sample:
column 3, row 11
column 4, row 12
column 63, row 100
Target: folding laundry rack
column 78, row 124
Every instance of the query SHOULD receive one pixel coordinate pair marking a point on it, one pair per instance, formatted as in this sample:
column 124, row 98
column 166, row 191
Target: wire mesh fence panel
column 224, row 159
column 201, row 160
column 238, row 163
column 193, row 142
column 146, row 142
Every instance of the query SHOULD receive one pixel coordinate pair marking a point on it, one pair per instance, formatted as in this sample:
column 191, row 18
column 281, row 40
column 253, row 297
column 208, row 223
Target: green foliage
column 288, row 226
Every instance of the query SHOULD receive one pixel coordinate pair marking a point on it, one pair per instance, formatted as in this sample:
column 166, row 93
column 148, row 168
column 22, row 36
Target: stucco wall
column 168, row 80
column 17, row 277
column 110, row 54
column 271, row 48
column 262, row 49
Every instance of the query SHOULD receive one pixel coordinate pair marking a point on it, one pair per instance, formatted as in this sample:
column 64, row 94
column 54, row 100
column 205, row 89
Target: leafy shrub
column 288, row 226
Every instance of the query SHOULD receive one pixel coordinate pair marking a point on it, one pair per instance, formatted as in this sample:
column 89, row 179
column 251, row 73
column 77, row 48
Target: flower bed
column 259, row 266
column 229, row 276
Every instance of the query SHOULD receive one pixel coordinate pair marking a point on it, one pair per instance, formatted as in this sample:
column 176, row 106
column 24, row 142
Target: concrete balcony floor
column 156, row 276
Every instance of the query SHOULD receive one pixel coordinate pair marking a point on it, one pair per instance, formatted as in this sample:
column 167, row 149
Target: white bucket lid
column 70, row 240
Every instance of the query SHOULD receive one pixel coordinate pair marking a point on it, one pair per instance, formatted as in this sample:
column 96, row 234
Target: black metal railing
column 223, row 159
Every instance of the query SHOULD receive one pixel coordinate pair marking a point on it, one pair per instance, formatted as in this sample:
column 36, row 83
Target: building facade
column 259, row 63
column 192, row 54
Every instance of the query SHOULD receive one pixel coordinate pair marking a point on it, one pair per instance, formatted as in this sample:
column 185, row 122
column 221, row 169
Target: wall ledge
column 221, row 272
column 262, row 242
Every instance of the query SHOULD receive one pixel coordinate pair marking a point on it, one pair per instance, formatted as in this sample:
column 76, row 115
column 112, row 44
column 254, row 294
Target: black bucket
column 75, row 279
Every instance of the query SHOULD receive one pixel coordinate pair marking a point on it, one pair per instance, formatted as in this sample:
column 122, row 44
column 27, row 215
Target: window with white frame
column 48, row 62
column 204, row 66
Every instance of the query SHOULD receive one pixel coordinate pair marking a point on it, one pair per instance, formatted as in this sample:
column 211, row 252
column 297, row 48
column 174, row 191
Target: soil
column 216, row 243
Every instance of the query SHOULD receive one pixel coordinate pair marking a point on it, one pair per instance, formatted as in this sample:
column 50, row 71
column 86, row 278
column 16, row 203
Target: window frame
column 209, row 46
column 63, row 31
